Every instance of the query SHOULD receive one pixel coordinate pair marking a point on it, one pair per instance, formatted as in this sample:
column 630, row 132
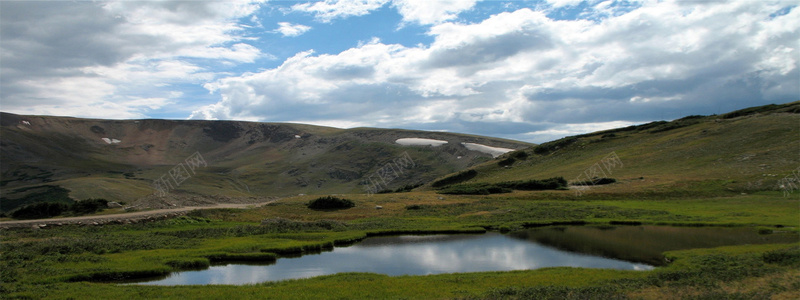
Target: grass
column 58, row 262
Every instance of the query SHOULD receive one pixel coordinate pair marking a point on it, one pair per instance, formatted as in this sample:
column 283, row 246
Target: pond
column 624, row 248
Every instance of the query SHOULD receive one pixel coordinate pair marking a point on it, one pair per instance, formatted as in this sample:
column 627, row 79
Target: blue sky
column 527, row 70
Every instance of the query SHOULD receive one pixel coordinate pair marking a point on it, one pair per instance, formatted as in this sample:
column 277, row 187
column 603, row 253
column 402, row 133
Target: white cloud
column 431, row 12
column 291, row 30
column 507, row 75
column 524, row 72
column 564, row 3
column 413, row 11
column 328, row 10
column 556, row 131
column 103, row 58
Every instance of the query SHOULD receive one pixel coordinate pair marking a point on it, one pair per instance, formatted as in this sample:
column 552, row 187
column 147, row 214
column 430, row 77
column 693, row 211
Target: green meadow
column 84, row 262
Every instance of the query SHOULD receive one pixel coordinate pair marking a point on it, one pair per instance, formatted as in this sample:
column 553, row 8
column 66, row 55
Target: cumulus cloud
column 328, row 10
column 84, row 58
column 413, row 11
column 522, row 70
column 290, row 30
column 431, row 12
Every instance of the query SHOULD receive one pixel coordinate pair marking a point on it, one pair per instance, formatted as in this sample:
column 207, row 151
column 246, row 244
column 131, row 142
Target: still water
column 624, row 248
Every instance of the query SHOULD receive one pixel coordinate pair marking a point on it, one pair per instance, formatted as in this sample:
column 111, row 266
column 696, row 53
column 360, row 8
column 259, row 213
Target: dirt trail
column 123, row 218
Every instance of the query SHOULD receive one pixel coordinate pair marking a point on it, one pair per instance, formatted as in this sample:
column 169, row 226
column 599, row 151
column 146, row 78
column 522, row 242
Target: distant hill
column 744, row 151
column 48, row 158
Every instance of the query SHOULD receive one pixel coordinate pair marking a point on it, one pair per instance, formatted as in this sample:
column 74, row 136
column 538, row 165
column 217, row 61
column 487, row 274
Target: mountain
column 746, row 151
column 47, row 158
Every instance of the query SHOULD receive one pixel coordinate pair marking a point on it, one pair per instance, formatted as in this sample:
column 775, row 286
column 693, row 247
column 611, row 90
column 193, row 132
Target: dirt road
column 124, row 218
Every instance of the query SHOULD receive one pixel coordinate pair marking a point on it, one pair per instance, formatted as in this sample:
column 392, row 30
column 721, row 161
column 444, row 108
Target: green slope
column 743, row 151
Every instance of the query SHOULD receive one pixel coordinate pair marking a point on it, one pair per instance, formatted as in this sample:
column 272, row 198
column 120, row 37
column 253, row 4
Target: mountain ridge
column 120, row 159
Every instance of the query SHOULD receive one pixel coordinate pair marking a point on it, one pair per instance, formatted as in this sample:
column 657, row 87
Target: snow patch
column 26, row 122
column 297, row 136
column 493, row 151
column 111, row 141
column 420, row 142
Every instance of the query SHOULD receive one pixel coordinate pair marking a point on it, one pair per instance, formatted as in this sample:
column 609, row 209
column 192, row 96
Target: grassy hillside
column 119, row 159
column 740, row 152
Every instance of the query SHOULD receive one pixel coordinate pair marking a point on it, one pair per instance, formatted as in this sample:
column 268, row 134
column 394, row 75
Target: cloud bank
column 536, row 78
column 531, row 72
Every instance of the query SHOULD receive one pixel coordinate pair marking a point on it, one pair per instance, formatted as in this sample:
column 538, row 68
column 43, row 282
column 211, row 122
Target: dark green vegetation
column 330, row 202
column 34, row 194
column 453, row 179
column 554, row 183
column 41, row 210
column 697, row 171
column 595, row 181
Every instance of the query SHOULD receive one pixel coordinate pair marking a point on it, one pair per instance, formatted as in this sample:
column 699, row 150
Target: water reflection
column 646, row 244
column 406, row 255
column 608, row 247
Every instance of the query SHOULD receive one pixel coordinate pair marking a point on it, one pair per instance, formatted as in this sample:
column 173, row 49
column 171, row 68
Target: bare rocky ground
column 148, row 209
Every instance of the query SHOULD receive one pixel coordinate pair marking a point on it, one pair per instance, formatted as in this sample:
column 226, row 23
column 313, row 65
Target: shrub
column 550, row 147
column 521, row 155
column 475, row 189
column 39, row 210
column 608, row 136
column 507, row 162
column 407, row 188
column 35, row 194
column 536, row 185
column 595, row 181
column 506, row 187
column 330, row 202
column 88, row 206
column 458, row 178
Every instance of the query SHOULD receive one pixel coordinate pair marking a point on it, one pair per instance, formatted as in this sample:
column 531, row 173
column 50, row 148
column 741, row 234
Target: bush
column 608, row 136
column 458, row 178
column 475, row 189
column 35, row 194
column 506, row 187
column 40, row 210
column 88, row 206
column 536, row 185
column 550, row 147
column 330, row 202
column 521, row 155
column 595, row 181
column 507, row 162
column 407, row 188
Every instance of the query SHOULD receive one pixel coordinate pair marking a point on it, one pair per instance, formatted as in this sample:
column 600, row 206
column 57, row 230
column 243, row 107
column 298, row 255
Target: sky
column 533, row 71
